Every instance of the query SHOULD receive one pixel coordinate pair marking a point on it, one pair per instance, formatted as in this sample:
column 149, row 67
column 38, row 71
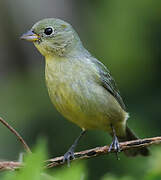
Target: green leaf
column 76, row 171
column 113, row 177
column 33, row 165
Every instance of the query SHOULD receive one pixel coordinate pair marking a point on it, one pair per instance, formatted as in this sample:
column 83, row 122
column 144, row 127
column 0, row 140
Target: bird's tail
column 133, row 152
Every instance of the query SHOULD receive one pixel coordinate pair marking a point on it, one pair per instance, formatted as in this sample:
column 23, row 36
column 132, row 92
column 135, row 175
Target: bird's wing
column 108, row 82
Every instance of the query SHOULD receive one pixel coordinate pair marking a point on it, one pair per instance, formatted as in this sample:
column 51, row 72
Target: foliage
column 34, row 169
column 33, row 166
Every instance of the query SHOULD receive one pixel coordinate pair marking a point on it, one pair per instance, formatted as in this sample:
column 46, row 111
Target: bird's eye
column 48, row 31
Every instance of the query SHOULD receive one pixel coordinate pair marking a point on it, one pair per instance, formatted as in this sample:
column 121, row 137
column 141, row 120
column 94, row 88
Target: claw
column 115, row 144
column 69, row 155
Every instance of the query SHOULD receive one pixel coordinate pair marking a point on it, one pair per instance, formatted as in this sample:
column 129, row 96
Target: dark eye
column 48, row 31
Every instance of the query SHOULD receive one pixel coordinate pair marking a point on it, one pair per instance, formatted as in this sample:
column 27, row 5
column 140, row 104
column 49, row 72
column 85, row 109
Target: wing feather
column 108, row 82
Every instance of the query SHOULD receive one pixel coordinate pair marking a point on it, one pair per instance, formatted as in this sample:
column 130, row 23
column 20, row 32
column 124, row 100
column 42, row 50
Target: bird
column 80, row 86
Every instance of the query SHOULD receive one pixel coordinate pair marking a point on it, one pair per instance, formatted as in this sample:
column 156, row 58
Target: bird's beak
column 30, row 36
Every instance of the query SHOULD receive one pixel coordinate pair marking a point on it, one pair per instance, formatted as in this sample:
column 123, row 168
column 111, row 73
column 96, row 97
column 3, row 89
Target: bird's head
column 53, row 37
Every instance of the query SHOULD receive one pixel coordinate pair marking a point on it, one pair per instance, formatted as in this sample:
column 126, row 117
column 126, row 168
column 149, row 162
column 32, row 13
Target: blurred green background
column 125, row 35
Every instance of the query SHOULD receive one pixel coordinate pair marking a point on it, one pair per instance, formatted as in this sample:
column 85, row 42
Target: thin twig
column 104, row 150
column 10, row 165
column 90, row 153
column 26, row 147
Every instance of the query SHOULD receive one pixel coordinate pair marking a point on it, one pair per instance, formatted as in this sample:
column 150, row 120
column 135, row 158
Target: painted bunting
column 80, row 86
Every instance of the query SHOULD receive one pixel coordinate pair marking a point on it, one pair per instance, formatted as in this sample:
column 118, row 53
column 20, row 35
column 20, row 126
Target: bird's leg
column 115, row 143
column 70, row 153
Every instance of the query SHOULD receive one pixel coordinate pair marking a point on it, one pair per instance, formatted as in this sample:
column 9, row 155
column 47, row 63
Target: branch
column 10, row 165
column 26, row 147
column 89, row 153
column 104, row 150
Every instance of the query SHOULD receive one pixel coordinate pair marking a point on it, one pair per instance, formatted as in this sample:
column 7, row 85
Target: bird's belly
column 90, row 106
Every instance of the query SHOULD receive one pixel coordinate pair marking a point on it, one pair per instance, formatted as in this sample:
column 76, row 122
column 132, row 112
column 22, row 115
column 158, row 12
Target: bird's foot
column 69, row 155
column 115, row 146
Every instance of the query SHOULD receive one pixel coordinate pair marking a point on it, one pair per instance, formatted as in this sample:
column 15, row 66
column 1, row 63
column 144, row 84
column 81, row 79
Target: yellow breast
column 76, row 93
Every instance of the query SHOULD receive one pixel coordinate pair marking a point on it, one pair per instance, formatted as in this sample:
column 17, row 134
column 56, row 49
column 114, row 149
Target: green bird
column 80, row 86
